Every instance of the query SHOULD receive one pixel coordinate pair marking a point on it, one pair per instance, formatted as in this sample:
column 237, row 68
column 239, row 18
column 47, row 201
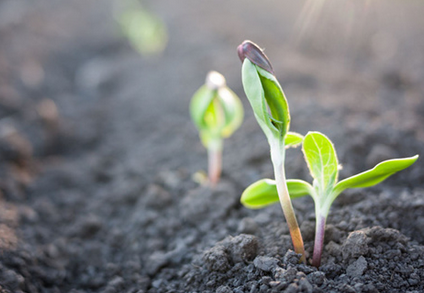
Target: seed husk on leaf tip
column 254, row 54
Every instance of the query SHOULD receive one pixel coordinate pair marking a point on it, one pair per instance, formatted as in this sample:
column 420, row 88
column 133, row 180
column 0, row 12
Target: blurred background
column 126, row 70
column 113, row 80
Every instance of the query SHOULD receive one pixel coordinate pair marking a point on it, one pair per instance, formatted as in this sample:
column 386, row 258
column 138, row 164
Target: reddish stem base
column 319, row 240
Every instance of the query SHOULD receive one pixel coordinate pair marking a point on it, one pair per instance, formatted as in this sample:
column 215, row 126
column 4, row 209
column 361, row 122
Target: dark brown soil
column 97, row 150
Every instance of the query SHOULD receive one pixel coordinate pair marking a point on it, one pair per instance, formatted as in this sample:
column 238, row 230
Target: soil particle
column 156, row 261
column 316, row 278
column 12, row 280
column 305, row 286
column 357, row 268
column 286, row 276
column 334, row 251
column 389, row 236
column 331, row 270
column 217, row 259
column 241, row 248
column 115, row 285
column 265, row 263
column 224, row 289
column 291, row 258
column 355, row 245
column 88, row 227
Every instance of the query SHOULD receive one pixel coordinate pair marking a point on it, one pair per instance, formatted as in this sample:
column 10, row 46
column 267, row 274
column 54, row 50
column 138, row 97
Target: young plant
column 272, row 113
column 145, row 31
column 217, row 112
column 322, row 161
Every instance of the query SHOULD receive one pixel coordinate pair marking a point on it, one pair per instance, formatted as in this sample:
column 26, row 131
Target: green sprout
column 217, row 112
column 145, row 31
column 272, row 113
column 322, row 162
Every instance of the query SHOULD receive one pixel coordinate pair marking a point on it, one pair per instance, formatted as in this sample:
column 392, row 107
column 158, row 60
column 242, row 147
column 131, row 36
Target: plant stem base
column 214, row 165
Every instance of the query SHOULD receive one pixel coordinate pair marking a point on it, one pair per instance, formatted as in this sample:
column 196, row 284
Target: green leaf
column 253, row 88
column 374, row 176
column 321, row 158
column 264, row 93
column 200, row 104
column 293, row 139
column 233, row 111
column 264, row 192
column 298, row 188
column 276, row 101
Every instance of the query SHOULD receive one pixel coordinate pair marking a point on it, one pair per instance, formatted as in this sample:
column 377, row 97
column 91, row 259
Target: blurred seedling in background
column 217, row 112
column 322, row 162
column 145, row 31
column 271, row 110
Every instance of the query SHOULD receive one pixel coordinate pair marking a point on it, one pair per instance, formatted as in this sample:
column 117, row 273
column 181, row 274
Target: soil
column 97, row 151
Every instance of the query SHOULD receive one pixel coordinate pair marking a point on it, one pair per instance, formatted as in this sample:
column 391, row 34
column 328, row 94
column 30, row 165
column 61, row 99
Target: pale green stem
column 277, row 157
column 319, row 238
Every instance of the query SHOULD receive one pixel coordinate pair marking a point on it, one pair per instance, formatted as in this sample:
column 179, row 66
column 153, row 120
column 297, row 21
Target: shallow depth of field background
column 72, row 63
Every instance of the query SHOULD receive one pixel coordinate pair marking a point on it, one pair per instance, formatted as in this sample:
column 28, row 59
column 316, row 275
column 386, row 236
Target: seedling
column 322, row 161
column 217, row 112
column 145, row 31
column 272, row 113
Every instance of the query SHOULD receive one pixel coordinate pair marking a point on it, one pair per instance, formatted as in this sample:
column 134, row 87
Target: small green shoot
column 271, row 110
column 322, row 161
column 217, row 112
column 145, row 31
